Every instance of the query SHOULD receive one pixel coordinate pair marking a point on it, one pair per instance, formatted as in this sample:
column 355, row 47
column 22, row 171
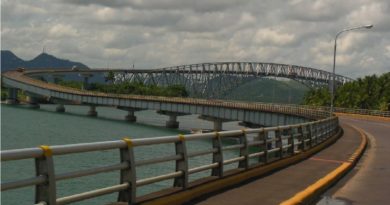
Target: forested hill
column 10, row 61
column 269, row 90
column 370, row 92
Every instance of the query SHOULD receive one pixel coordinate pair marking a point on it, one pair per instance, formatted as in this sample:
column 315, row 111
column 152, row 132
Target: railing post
column 314, row 135
column 289, row 133
column 128, row 175
column 279, row 143
column 322, row 132
column 44, row 166
column 301, row 139
column 244, row 151
column 309, row 130
column 181, row 164
column 263, row 137
column 217, row 156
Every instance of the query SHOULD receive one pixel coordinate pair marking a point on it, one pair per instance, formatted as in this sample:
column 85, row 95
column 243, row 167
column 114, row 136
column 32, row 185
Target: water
column 22, row 127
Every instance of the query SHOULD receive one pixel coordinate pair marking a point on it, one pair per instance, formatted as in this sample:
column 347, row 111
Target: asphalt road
column 283, row 184
column 370, row 184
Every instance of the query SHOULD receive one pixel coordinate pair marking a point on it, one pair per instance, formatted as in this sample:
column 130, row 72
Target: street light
column 334, row 62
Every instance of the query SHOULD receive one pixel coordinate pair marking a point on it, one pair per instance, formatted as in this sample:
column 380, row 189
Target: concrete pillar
column 130, row 116
column 217, row 125
column 86, row 77
column 92, row 111
column 32, row 102
column 12, row 97
column 85, row 83
column 172, row 122
column 60, row 108
column 57, row 78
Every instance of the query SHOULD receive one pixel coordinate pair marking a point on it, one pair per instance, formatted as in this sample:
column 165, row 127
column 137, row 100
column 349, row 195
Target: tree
column 370, row 92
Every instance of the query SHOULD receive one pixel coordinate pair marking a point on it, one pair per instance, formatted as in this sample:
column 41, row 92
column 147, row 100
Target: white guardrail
column 273, row 142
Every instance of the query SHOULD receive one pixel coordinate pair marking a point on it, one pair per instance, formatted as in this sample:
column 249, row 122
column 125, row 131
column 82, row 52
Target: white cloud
column 387, row 51
column 62, row 31
column 269, row 36
column 158, row 33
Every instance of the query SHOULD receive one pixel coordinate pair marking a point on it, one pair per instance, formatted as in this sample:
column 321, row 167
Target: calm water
column 22, row 127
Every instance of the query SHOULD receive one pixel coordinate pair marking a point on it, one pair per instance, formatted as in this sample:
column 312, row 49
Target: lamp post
column 334, row 62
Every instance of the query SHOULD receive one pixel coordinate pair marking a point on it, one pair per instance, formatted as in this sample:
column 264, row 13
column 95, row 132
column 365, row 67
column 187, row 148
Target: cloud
column 158, row 33
column 198, row 6
column 62, row 31
column 269, row 36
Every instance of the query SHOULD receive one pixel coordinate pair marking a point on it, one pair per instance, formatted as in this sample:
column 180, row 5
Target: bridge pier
column 217, row 125
column 217, row 121
column 172, row 122
column 32, row 102
column 130, row 117
column 12, row 97
column 58, row 78
column 86, row 77
column 60, row 108
column 92, row 111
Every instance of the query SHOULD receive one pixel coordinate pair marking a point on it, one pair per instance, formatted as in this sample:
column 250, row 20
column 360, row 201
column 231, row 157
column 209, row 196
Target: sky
column 160, row 33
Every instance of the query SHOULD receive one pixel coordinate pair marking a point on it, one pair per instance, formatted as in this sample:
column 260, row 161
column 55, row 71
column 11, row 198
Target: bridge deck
column 370, row 181
column 285, row 183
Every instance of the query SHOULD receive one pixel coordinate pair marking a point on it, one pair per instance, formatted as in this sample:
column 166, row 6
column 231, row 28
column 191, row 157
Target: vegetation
column 135, row 88
column 269, row 90
column 370, row 92
column 4, row 94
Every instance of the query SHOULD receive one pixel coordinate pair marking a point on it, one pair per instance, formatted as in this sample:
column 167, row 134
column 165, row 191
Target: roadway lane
column 371, row 183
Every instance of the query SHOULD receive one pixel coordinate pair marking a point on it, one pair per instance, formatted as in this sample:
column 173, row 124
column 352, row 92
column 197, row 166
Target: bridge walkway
column 283, row 184
column 369, row 182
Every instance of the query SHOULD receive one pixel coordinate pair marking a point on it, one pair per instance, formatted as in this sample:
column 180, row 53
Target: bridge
column 213, row 80
column 258, row 114
column 261, row 151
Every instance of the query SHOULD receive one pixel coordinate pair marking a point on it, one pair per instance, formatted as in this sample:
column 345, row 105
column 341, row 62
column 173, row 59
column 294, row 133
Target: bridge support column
column 130, row 116
column 217, row 125
column 58, row 78
column 172, row 122
column 32, row 102
column 92, row 111
column 217, row 121
column 86, row 77
column 60, row 108
column 12, row 97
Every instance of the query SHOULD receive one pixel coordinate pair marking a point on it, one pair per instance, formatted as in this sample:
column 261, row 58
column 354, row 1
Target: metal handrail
column 269, row 140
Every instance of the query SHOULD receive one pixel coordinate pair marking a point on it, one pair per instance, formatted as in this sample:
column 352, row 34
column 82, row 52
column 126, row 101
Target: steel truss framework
column 214, row 80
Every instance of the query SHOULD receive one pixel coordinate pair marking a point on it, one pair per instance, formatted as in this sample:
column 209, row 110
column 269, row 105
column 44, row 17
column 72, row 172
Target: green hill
column 270, row 90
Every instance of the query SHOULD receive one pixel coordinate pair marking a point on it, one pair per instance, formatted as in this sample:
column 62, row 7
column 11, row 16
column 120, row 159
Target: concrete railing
column 363, row 112
column 273, row 143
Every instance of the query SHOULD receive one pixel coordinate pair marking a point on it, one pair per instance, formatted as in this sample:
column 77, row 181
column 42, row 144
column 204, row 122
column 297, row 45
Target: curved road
column 371, row 183
column 368, row 186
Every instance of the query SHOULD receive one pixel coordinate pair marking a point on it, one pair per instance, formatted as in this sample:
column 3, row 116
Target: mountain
column 10, row 61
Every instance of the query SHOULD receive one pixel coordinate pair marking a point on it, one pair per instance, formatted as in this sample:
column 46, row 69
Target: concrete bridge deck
column 373, row 175
column 369, row 182
column 284, row 184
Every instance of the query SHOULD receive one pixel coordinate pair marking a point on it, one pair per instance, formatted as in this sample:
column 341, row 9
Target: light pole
column 334, row 62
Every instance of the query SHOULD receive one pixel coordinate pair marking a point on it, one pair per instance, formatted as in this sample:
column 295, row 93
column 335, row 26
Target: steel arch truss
column 214, row 80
